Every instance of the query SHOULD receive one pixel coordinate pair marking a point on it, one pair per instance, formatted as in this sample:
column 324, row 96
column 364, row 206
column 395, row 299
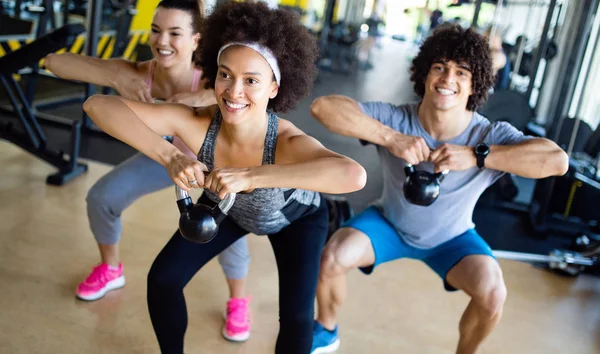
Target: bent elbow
column 91, row 105
column 562, row 162
column 49, row 61
column 316, row 107
column 357, row 177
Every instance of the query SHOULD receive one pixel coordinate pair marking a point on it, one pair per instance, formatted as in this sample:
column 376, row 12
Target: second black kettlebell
column 199, row 223
column 422, row 187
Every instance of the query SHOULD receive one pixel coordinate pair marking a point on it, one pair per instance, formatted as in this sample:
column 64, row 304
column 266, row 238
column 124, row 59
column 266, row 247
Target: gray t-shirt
column 452, row 213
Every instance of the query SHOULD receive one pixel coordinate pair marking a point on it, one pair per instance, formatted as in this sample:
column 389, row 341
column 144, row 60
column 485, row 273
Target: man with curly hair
column 258, row 61
column 452, row 74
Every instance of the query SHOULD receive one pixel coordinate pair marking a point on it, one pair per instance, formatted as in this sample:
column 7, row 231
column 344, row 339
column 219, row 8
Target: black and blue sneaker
column 324, row 340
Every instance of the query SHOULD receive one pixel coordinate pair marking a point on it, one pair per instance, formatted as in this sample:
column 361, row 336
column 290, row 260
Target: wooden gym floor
column 46, row 248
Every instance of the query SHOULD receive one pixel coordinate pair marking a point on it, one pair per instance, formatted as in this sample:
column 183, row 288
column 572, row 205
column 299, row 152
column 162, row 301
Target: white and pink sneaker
column 237, row 320
column 103, row 279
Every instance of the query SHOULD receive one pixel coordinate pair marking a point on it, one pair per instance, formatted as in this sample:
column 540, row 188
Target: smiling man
column 452, row 74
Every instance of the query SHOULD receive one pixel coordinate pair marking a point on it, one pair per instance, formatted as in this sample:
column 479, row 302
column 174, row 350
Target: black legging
column 297, row 250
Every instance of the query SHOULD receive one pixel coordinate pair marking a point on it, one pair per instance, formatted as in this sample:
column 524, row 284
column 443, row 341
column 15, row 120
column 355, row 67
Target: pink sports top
column 195, row 84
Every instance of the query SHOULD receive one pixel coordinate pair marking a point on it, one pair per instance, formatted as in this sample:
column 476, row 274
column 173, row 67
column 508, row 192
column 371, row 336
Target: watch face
column 482, row 148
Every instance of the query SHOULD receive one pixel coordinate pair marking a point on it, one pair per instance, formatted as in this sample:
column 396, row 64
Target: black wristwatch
column 481, row 152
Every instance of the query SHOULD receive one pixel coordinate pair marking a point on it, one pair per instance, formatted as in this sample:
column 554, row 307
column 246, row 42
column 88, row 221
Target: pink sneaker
column 237, row 320
column 102, row 280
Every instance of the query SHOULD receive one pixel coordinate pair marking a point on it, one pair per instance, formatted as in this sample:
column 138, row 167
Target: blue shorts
column 389, row 245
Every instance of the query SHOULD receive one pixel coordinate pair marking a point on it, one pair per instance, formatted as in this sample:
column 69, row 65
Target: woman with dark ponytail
column 172, row 76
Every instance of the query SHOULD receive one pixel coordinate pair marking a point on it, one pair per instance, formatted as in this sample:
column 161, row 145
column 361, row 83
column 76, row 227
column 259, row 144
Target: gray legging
column 127, row 182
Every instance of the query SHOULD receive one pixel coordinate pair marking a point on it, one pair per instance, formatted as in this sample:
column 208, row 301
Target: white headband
column 260, row 49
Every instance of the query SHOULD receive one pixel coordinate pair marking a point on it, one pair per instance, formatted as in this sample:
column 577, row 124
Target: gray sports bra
column 264, row 210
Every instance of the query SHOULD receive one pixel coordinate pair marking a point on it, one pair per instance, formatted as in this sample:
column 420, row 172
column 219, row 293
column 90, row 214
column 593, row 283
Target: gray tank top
column 265, row 210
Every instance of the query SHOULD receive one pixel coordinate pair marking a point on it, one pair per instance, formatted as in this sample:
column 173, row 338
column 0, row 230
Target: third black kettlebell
column 199, row 223
column 422, row 187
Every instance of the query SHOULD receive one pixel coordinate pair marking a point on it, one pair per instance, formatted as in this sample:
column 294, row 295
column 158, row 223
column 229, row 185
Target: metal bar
column 75, row 142
column 18, row 4
column 476, row 13
column 94, row 17
column 541, row 49
column 17, row 37
column 123, row 25
column 575, row 108
column 573, row 135
column 532, row 257
column 61, row 101
column 49, row 5
column 53, row 119
column 28, row 111
column 571, row 67
column 527, row 3
column 558, row 14
column 495, row 21
column 65, row 12
column 42, row 28
column 42, row 21
column 31, row 84
column 583, row 178
column 329, row 7
column 566, row 91
column 583, row 76
column 521, row 49
column 13, row 100
column 579, row 260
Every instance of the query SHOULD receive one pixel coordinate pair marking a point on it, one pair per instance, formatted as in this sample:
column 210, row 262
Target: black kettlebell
column 199, row 223
column 422, row 187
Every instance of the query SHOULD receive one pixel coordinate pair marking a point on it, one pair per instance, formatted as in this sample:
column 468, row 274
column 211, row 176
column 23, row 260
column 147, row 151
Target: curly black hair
column 279, row 30
column 450, row 42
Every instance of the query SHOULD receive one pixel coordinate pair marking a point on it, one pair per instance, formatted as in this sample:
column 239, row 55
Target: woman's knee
column 235, row 259
column 100, row 198
column 297, row 319
column 163, row 277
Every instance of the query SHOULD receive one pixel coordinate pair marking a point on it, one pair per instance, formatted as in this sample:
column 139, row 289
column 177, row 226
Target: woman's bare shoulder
column 205, row 114
column 141, row 67
column 287, row 129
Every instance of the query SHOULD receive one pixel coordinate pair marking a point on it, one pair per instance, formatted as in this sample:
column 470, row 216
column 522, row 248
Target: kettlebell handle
column 444, row 172
column 409, row 169
column 441, row 175
column 224, row 205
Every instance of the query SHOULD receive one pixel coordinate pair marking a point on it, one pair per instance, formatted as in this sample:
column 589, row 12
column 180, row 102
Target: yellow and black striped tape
column 105, row 48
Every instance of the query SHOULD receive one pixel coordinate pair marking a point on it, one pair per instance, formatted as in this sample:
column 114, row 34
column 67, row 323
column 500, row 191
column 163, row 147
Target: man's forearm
column 536, row 158
column 342, row 115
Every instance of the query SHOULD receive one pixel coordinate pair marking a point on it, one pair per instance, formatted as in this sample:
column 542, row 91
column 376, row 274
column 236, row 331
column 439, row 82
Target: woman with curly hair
column 259, row 61
column 442, row 132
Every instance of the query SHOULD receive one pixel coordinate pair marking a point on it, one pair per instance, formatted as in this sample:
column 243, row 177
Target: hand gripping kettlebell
column 422, row 187
column 199, row 223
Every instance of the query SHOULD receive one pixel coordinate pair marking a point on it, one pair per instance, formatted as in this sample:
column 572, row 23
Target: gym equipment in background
column 34, row 140
column 566, row 262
